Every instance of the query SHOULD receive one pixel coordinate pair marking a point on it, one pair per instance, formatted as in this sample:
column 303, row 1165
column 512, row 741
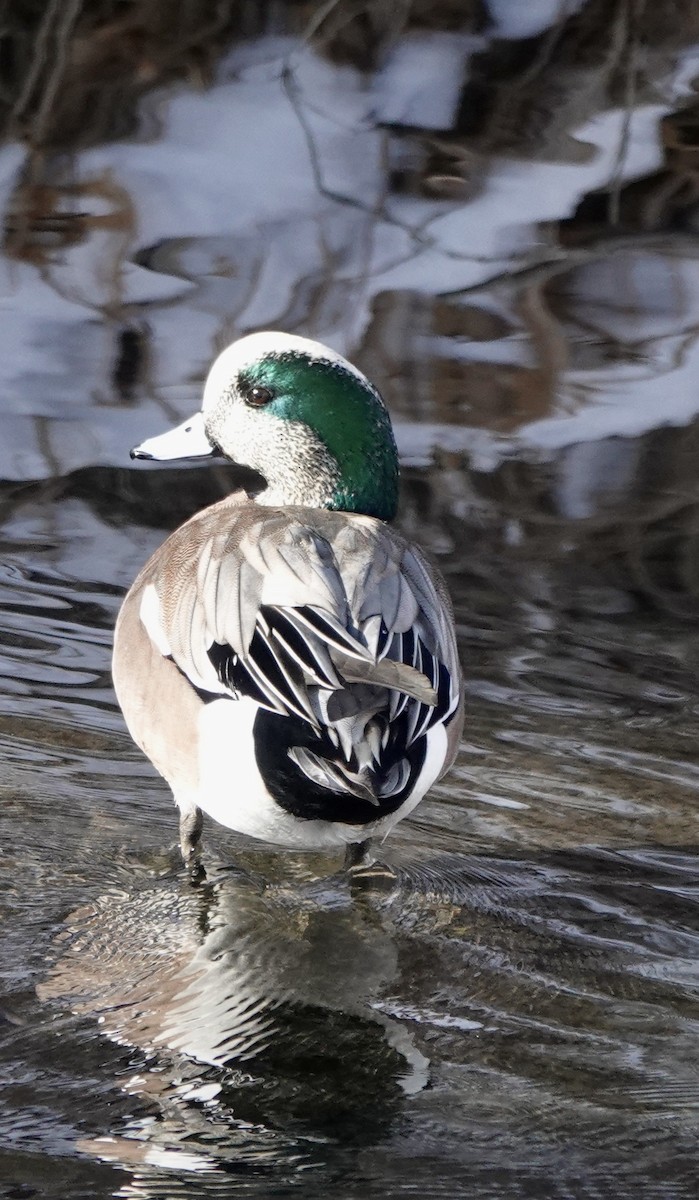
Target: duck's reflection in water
column 251, row 1009
column 265, row 1025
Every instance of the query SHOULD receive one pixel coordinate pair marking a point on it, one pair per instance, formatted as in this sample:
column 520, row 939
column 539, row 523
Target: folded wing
column 330, row 620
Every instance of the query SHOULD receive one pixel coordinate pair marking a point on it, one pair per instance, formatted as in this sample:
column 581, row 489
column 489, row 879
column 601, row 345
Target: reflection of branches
column 40, row 55
column 643, row 537
column 631, row 16
column 379, row 210
column 293, row 91
column 74, row 70
column 558, row 260
column 548, row 341
column 387, row 21
column 319, row 18
column 54, row 80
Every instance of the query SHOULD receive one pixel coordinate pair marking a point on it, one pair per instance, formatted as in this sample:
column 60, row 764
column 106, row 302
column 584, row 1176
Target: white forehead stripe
column 249, row 350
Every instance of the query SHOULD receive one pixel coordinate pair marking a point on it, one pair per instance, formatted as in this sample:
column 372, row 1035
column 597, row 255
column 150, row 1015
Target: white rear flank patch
column 435, row 754
column 232, row 791
column 150, row 613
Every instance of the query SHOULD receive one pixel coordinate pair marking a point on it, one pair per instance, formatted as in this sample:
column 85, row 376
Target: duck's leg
column 358, row 855
column 191, row 825
column 363, row 869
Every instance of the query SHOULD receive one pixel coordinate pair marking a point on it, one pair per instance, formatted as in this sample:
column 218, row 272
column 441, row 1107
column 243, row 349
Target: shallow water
column 515, row 1012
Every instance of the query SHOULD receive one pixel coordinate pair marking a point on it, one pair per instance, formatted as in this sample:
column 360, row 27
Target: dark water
column 516, row 1013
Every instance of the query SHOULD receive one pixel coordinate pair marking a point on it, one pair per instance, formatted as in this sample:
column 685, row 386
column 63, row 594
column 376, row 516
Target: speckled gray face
column 302, row 416
column 307, row 420
column 295, row 462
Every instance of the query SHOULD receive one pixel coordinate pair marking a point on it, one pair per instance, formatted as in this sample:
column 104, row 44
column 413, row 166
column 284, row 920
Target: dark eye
column 258, row 396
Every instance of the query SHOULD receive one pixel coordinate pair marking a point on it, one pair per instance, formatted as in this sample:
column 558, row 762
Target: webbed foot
column 363, row 869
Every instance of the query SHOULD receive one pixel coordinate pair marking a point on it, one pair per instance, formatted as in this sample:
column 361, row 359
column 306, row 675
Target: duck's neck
column 357, row 475
column 311, row 484
column 322, row 484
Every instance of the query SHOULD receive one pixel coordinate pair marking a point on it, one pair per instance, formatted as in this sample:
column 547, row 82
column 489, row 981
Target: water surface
column 515, row 1012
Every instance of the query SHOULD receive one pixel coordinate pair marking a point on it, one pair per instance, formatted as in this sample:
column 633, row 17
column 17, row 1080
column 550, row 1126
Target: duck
column 287, row 659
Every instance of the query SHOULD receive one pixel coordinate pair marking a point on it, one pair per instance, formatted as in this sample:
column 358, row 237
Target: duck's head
column 303, row 417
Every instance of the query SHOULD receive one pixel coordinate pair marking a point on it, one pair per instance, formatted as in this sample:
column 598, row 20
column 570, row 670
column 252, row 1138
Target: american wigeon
column 288, row 662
